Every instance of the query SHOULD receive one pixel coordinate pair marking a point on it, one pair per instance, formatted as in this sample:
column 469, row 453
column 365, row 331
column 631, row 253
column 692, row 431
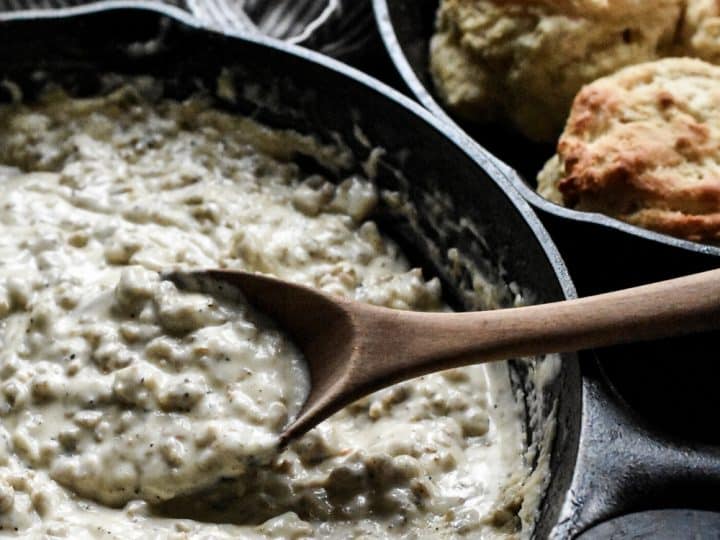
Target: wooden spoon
column 353, row 349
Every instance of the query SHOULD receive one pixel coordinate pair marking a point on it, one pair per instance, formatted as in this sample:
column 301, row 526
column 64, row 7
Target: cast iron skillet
column 602, row 464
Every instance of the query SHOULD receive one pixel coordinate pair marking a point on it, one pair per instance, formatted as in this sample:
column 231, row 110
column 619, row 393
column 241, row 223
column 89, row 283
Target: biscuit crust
column 643, row 145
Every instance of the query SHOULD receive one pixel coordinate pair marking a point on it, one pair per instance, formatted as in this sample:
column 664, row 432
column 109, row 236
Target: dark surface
column 456, row 202
column 652, row 430
column 659, row 525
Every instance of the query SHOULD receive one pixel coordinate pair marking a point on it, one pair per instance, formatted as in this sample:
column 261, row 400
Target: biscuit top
column 643, row 145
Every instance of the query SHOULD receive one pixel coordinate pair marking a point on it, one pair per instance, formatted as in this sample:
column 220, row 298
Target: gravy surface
column 121, row 396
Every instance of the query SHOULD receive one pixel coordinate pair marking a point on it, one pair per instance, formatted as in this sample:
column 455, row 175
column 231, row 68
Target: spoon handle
column 432, row 341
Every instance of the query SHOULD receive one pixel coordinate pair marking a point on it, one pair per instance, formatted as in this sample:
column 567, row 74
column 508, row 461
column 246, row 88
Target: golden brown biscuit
column 524, row 60
column 643, row 145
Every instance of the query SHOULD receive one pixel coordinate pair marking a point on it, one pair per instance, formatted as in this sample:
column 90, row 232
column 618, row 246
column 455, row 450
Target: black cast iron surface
column 289, row 87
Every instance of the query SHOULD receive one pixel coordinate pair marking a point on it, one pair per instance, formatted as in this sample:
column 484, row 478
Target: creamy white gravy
column 121, row 397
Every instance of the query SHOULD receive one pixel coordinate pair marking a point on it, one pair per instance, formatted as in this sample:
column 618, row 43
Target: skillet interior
column 500, row 235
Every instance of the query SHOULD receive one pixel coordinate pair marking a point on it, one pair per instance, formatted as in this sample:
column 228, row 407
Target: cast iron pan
column 602, row 463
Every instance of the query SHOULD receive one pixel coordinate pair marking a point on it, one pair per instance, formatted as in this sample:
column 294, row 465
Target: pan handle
column 623, row 467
